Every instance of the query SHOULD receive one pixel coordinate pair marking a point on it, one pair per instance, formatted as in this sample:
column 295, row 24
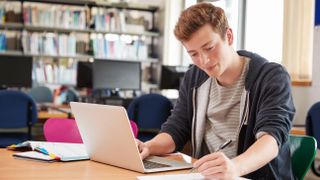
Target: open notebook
column 51, row 151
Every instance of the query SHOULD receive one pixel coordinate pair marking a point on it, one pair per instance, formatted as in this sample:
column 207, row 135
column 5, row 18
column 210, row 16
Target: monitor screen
column 171, row 76
column 15, row 71
column 109, row 74
column 84, row 74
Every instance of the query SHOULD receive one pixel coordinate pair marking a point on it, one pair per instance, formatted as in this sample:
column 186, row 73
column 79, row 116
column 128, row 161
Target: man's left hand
column 217, row 166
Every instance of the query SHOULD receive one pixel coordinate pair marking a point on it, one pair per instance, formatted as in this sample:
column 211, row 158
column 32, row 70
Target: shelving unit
column 151, row 58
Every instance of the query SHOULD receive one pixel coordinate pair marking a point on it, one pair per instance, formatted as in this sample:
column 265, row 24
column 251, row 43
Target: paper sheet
column 188, row 176
column 34, row 155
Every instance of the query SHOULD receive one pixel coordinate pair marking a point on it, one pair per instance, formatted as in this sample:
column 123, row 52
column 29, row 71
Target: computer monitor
column 15, row 71
column 113, row 75
column 84, row 74
column 171, row 76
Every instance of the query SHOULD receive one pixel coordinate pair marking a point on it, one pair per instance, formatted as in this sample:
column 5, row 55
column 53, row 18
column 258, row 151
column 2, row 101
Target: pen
column 222, row 146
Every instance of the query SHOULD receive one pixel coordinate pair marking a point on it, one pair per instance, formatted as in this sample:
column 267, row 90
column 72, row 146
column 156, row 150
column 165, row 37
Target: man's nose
column 204, row 59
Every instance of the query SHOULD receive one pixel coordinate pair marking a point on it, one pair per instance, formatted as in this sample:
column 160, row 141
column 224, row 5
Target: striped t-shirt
column 223, row 115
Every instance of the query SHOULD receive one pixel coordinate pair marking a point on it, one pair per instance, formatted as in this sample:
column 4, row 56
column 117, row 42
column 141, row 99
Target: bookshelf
column 81, row 30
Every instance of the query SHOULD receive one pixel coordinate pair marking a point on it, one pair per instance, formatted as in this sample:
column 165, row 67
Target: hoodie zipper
column 193, row 133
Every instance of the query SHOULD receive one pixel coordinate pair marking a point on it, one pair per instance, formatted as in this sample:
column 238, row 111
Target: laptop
column 108, row 138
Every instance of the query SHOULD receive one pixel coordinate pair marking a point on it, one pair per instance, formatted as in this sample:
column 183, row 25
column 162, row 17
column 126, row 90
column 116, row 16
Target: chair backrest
column 66, row 130
column 17, row 110
column 313, row 129
column 61, row 130
column 303, row 151
column 41, row 94
column 150, row 111
column 313, row 122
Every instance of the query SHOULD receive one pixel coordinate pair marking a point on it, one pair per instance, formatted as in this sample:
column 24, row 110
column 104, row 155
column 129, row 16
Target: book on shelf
column 50, row 151
column 53, row 44
column 53, row 15
column 108, row 20
column 10, row 12
column 113, row 46
column 62, row 72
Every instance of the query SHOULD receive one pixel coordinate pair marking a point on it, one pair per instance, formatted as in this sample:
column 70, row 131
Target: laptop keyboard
column 152, row 165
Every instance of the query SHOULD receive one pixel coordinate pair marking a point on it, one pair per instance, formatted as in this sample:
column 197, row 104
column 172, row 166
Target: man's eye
column 210, row 48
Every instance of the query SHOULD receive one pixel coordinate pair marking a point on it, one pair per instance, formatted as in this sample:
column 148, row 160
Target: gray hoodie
column 266, row 105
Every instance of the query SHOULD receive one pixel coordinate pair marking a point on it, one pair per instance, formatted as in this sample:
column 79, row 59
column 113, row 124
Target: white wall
column 305, row 97
column 172, row 47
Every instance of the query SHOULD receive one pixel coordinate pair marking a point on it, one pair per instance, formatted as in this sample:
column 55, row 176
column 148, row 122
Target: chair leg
column 315, row 170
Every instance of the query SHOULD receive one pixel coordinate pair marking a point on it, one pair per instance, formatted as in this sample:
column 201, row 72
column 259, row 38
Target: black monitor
column 171, row 76
column 15, row 71
column 84, row 74
column 117, row 75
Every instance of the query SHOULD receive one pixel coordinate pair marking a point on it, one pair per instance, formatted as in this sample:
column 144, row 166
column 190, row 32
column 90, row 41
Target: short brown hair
column 196, row 16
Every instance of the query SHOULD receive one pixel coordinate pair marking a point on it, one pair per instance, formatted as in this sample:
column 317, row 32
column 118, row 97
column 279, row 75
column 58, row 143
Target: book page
column 33, row 155
column 66, row 151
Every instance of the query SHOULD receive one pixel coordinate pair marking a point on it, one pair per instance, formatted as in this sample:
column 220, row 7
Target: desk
column 15, row 168
column 298, row 131
column 54, row 111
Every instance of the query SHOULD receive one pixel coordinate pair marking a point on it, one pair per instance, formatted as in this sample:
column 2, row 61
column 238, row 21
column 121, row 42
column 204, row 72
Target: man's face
column 209, row 51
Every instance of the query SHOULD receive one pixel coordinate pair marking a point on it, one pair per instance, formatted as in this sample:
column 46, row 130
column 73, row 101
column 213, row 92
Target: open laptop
column 108, row 138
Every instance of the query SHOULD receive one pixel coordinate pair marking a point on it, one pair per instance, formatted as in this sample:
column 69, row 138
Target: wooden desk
column 15, row 168
column 55, row 112
column 43, row 115
column 298, row 131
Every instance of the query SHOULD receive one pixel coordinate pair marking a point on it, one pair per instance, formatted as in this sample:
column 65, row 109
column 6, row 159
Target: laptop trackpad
column 161, row 162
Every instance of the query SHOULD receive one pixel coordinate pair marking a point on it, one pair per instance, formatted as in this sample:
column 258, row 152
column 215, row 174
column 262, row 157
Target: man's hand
column 217, row 165
column 143, row 149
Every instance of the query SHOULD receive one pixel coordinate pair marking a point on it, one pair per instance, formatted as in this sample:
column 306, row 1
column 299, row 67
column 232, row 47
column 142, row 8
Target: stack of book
column 118, row 47
column 49, row 43
column 62, row 72
column 109, row 20
column 10, row 41
column 10, row 12
column 50, row 15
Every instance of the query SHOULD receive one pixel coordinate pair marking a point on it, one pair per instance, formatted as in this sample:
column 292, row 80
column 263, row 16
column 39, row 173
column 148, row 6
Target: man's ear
column 229, row 36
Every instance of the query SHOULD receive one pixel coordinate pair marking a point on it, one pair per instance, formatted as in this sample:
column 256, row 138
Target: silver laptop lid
column 107, row 135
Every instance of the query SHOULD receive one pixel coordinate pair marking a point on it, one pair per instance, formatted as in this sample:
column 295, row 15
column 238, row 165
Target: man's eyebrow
column 191, row 51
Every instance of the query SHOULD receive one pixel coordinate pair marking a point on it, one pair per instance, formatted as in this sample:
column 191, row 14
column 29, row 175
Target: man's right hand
column 143, row 149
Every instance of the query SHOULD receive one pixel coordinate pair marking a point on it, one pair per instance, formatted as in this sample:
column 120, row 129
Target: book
column 50, row 151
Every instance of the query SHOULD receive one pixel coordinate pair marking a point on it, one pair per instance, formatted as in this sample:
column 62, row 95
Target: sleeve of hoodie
column 275, row 107
column 178, row 125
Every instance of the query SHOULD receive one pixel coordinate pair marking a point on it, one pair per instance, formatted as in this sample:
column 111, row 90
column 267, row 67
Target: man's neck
column 233, row 73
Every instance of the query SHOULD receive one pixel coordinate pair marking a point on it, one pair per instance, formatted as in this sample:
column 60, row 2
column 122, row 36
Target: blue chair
column 313, row 129
column 41, row 94
column 17, row 110
column 149, row 111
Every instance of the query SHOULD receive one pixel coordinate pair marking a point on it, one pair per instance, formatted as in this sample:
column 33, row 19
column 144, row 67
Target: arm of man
column 159, row 145
column 217, row 165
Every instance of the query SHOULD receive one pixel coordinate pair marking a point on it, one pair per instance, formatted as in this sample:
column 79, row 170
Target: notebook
column 51, row 151
column 107, row 137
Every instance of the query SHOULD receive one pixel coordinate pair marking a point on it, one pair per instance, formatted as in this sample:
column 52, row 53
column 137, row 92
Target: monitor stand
column 3, row 87
column 114, row 93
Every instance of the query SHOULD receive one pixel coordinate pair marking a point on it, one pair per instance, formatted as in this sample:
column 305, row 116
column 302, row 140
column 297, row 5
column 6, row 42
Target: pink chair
column 61, row 130
column 134, row 128
column 66, row 130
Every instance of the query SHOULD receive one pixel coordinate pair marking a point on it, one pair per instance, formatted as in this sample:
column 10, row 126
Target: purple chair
column 66, row 130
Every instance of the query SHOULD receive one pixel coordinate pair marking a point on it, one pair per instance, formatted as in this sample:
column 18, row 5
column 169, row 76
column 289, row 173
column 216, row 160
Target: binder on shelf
column 50, row 151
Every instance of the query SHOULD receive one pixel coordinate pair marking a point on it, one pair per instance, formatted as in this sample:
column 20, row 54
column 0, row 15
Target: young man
column 227, row 95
